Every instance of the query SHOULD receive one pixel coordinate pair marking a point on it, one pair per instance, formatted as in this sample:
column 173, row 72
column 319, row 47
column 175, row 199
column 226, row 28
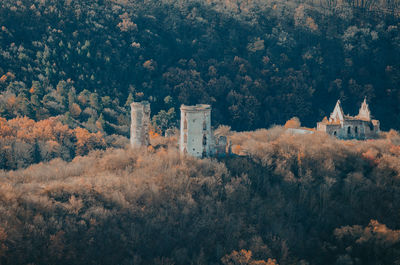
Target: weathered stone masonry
column 350, row 127
column 195, row 134
column 140, row 122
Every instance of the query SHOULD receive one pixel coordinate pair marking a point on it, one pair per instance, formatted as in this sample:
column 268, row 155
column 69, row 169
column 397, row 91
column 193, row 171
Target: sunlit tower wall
column 195, row 134
column 140, row 121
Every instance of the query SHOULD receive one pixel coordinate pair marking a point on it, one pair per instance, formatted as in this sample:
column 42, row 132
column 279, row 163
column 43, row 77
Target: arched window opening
column 204, row 140
column 185, row 124
column 185, row 138
column 356, row 130
column 204, row 125
column 334, row 133
column 348, row 130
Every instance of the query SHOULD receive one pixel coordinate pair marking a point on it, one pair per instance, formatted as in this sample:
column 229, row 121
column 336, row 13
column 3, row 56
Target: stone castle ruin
column 140, row 122
column 196, row 135
column 198, row 140
column 342, row 126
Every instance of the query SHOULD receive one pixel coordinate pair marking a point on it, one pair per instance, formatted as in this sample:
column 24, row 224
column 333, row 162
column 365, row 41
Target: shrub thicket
column 293, row 200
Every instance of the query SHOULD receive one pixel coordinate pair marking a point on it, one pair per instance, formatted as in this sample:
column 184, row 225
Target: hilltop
column 294, row 199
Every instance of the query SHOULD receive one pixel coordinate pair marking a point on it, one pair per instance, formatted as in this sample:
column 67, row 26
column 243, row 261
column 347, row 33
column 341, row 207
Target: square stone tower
column 196, row 135
column 140, row 121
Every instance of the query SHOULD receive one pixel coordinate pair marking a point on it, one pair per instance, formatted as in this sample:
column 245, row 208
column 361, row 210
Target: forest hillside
column 294, row 199
column 258, row 63
column 73, row 192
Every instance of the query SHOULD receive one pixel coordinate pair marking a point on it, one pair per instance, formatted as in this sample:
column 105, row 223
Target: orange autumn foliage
column 293, row 123
column 153, row 134
column 86, row 141
column 245, row 257
column 3, row 79
column 395, row 149
column 5, row 129
column 237, row 149
column 24, row 139
column 371, row 156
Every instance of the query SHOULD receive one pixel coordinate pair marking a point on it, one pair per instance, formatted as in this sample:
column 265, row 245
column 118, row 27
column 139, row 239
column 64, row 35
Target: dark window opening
column 348, row 130
column 204, row 140
column 371, row 126
column 356, row 130
column 334, row 133
column 204, row 125
column 204, row 154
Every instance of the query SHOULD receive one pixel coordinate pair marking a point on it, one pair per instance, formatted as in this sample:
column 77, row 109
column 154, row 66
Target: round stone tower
column 140, row 121
column 196, row 136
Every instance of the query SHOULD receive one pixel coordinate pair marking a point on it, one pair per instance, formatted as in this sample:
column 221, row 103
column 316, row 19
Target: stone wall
column 351, row 129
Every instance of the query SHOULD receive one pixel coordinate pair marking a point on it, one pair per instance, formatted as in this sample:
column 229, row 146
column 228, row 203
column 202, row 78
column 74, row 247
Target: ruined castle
column 196, row 136
column 350, row 127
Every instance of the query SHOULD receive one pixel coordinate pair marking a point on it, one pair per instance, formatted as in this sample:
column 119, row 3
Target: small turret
column 364, row 112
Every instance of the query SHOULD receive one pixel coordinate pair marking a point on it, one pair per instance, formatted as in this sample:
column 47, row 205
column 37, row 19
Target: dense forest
column 293, row 199
column 257, row 62
column 73, row 192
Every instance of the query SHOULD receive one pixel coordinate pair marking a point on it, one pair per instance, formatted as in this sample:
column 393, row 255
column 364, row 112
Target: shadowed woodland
column 87, row 60
column 293, row 200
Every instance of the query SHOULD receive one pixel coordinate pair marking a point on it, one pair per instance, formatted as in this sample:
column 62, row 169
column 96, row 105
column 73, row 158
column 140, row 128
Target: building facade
column 342, row 126
column 195, row 132
column 140, row 121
